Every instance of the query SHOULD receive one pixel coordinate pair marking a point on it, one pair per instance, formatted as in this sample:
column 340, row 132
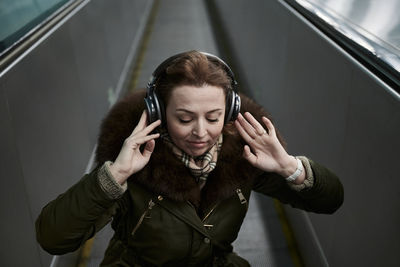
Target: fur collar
column 165, row 174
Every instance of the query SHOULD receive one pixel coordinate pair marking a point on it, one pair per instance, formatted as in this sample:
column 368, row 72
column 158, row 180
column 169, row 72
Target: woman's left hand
column 264, row 151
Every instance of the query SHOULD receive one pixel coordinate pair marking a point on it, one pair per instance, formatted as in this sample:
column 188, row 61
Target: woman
column 178, row 187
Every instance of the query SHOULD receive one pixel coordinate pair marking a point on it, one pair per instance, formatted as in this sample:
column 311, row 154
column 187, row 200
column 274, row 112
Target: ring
column 264, row 132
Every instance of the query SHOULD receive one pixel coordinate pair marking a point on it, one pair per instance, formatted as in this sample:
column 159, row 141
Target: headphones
column 155, row 108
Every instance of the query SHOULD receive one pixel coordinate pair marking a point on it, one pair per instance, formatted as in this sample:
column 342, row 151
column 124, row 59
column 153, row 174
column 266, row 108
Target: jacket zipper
column 242, row 199
column 209, row 213
column 149, row 207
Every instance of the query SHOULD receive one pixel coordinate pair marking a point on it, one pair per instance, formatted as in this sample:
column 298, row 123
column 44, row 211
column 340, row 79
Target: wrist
column 293, row 170
column 119, row 175
column 288, row 166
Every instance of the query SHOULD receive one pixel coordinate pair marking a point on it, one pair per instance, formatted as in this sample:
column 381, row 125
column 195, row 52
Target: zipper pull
column 151, row 204
column 241, row 196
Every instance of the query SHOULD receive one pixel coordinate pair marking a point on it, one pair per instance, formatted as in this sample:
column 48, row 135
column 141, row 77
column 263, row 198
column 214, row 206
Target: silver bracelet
column 297, row 172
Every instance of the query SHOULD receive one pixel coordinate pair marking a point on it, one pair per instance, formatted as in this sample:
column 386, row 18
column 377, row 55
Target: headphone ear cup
column 160, row 108
column 228, row 107
column 150, row 108
column 236, row 105
column 153, row 109
column 232, row 106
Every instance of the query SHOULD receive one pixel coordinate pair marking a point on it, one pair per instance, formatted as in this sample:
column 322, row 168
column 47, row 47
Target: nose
column 199, row 129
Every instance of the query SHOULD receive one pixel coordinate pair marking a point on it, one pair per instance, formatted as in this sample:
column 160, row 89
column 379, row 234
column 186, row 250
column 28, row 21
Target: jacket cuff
column 309, row 181
column 108, row 183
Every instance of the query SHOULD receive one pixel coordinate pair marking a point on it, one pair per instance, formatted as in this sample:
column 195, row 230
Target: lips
column 197, row 144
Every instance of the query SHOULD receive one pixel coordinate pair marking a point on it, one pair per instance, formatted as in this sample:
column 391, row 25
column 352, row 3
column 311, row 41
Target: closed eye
column 184, row 121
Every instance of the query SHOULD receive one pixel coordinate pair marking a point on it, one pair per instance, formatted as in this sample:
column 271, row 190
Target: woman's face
column 195, row 117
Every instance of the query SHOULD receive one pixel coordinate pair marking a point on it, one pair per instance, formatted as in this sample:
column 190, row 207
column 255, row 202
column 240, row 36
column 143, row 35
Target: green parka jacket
column 163, row 218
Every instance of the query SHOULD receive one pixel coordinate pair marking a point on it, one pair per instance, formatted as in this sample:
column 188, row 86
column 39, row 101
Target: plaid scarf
column 200, row 166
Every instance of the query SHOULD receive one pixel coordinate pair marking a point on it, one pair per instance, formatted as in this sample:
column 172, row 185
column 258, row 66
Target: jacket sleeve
column 75, row 216
column 325, row 196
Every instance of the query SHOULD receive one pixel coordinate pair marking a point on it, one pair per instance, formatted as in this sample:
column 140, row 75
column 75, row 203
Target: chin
column 196, row 153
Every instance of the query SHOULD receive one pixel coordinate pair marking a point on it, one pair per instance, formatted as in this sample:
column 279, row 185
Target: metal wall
column 51, row 104
column 335, row 111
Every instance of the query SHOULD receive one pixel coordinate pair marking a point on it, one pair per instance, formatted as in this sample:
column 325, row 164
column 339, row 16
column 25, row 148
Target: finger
column 151, row 127
column 141, row 124
column 256, row 125
column 149, row 148
column 249, row 156
column 269, row 125
column 247, row 126
column 146, row 130
column 243, row 133
column 137, row 141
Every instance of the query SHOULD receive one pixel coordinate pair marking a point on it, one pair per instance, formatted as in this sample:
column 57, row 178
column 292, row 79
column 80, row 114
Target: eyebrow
column 191, row 112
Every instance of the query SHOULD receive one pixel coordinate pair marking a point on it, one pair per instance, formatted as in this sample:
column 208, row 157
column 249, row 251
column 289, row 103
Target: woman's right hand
column 130, row 159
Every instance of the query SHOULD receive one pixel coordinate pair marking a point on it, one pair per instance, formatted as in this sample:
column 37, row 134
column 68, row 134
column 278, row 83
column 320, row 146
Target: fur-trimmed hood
column 165, row 174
